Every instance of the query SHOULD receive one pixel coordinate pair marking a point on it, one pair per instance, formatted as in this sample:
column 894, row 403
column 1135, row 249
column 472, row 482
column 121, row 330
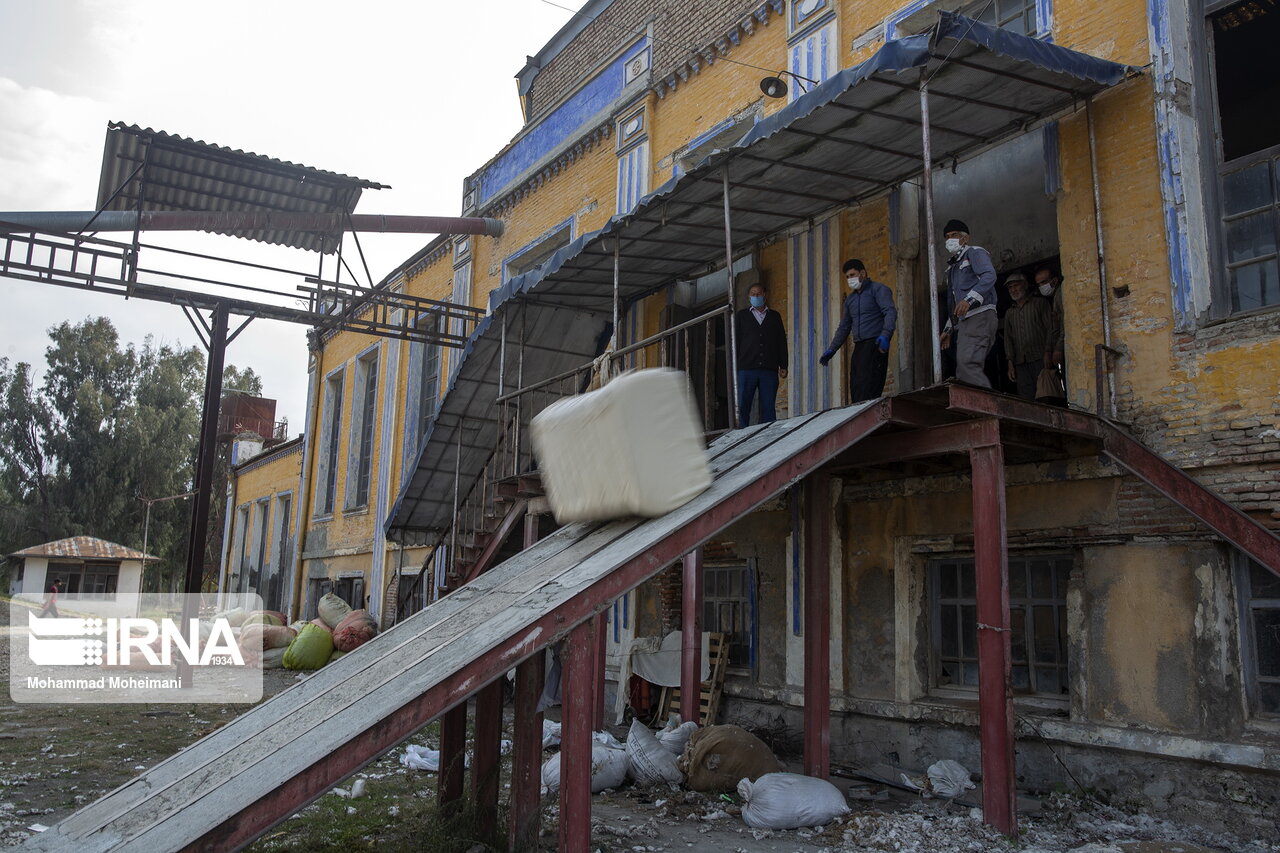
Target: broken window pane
column 1255, row 286
column 1244, row 37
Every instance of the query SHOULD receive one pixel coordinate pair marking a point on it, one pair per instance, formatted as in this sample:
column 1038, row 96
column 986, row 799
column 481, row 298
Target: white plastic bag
column 675, row 736
column 608, row 769
column 789, row 800
column 423, row 758
column 949, row 779
column 649, row 761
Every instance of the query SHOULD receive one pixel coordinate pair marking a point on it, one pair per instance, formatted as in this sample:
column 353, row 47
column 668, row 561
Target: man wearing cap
column 869, row 316
column 971, row 297
column 1028, row 325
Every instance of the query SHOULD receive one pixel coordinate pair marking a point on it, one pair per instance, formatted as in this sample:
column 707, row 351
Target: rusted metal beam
column 691, row 639
column 597, row 670
column 575, row 739
column 817, row 624
column 975, row 401
column 222, row 221
column 526, row 746
column 486, row 765
column 453, row 745
column 514, row 515
column 995, row 694
column 930, row 441
column 1227, row 521
column 906, row 412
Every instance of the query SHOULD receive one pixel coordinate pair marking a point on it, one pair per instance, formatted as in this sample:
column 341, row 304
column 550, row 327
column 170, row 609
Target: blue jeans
column 751, row 381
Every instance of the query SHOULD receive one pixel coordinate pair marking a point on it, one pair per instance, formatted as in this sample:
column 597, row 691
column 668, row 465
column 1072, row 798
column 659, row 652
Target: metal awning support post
column 597, row 671
column 526, row 738
column 732, row 337
column 691, row 639
column 995, row 697
column 817, row 624
column 931, row 236
column 617, row 288
column 575, row 738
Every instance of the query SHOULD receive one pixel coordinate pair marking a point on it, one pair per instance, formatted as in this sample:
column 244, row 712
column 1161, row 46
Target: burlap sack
column 718, row 757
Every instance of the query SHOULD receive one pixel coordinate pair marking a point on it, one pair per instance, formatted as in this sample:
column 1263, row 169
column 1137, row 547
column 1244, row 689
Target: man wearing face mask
column 971, row 297
column 869, row 316
column 762, row 356
column 1050, row 287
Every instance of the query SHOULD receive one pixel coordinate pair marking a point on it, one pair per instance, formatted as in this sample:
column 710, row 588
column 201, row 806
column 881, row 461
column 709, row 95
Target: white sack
column 649, row 761
column 550, row 734
column 423, row 758
column 634, row 447
column 789, row 800
column 949, row 779
column 675, row 737
column 608, row 769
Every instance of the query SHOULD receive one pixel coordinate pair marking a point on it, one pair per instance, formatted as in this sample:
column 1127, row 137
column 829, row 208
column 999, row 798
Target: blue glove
column 883, row 343
column 825, row 357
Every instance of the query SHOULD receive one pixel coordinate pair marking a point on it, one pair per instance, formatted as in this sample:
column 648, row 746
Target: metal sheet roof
column 851, row 138
column 83, row 548
column 187, row 174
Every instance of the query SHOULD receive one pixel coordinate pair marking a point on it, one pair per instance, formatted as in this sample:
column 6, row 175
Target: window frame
column 364, row 418
column 934, row 603
column 512, row 265
column 326, row 499
column 750, row 601
column 1209, row 114
column 1246, row 605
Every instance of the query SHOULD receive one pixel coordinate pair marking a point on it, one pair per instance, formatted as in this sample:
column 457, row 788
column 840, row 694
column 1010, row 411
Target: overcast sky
column 415, row 95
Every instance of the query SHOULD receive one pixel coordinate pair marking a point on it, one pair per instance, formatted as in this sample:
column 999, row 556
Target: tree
column 235, row 379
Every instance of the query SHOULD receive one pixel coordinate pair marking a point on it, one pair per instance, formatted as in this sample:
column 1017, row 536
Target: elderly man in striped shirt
column 1027, row 327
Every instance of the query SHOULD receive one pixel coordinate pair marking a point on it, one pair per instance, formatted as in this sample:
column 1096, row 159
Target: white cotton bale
column 633, row 448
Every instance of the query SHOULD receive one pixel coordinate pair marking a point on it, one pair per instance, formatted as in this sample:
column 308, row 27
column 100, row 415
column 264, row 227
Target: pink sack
column 355, row 629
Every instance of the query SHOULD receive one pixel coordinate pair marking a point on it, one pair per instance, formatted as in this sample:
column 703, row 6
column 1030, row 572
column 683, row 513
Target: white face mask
column 953, row 245
column 1046, row 289
column 855, row 283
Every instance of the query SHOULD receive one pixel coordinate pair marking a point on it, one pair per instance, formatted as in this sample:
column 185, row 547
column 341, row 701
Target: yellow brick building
column 1154, row 199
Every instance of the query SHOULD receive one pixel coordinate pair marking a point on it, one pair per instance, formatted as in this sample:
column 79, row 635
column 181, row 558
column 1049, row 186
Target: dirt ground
column 54, row 759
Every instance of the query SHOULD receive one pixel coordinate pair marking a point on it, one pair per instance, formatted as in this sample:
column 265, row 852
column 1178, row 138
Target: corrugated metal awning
column 850, row 139
column 166, row 172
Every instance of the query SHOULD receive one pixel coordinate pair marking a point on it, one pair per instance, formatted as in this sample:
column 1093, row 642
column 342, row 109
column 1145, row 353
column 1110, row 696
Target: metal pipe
column 617, row 286
column 931, row 238
column 732, row 366
column 222, row 221
column 1102, row 260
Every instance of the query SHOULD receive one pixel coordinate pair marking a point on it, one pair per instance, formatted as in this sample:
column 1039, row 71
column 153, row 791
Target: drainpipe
column 1102, row 264
column 931, row 238
column 304, row 478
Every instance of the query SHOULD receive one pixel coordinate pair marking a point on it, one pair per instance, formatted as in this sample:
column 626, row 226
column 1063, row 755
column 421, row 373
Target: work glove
column 825, row 357
column 883, row 343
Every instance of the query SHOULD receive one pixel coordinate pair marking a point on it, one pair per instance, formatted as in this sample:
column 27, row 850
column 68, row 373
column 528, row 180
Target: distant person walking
column 51, row 601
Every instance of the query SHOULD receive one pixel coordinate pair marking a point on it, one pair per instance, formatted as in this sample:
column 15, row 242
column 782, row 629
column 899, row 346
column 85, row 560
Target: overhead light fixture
column 774, row 87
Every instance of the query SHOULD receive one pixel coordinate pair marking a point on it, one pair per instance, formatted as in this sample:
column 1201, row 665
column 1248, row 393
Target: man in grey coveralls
column 971, row 298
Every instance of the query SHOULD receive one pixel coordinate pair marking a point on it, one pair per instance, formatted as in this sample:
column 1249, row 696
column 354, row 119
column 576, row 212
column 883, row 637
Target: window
column 411, row 594
column 812, row 56
column 330, row 419
column 1261, row 629
column 1246, row 90
column 537, row 252
column 461, row 296
column 272, row 598
column 100, row 579
column 255, row 572
column 350, row 590
column 633, row 177
column 363, row 419
column 1016, row 15
column 1037, row 620
column 728, row 605
column 721, row 136
column 428, row 375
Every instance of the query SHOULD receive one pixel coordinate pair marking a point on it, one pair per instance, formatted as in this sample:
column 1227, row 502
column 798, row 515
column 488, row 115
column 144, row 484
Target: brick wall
column 677, row 31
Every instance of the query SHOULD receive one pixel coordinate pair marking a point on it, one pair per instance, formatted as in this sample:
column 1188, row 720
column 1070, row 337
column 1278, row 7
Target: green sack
column 310, row 649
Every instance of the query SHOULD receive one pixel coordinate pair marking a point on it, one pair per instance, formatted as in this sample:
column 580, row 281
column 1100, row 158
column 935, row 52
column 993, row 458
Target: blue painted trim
column 1172, row 192
column 1052, row 174
column 539, row 140
column 626, row 610
column 536, row 242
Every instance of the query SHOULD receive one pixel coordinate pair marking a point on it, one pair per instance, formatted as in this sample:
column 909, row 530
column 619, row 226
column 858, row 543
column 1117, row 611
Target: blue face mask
column 757, row 301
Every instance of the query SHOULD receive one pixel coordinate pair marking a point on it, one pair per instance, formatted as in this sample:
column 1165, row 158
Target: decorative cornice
column 707, row 56
column 503, row 204
column 428, row 259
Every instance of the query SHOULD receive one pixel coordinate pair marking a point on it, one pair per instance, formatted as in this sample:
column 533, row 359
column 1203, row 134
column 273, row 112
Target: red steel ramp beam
column 1175, row 484
column 231, row 786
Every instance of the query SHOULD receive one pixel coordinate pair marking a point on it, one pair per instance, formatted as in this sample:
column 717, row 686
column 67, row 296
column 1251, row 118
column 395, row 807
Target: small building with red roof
column 84, row 566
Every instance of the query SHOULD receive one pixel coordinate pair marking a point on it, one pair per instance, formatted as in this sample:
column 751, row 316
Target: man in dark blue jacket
column 762, row 356
column 869, row 316
column 971, row 298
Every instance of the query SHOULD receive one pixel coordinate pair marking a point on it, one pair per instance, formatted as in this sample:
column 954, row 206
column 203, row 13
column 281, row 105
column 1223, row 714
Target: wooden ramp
column 233, row 785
